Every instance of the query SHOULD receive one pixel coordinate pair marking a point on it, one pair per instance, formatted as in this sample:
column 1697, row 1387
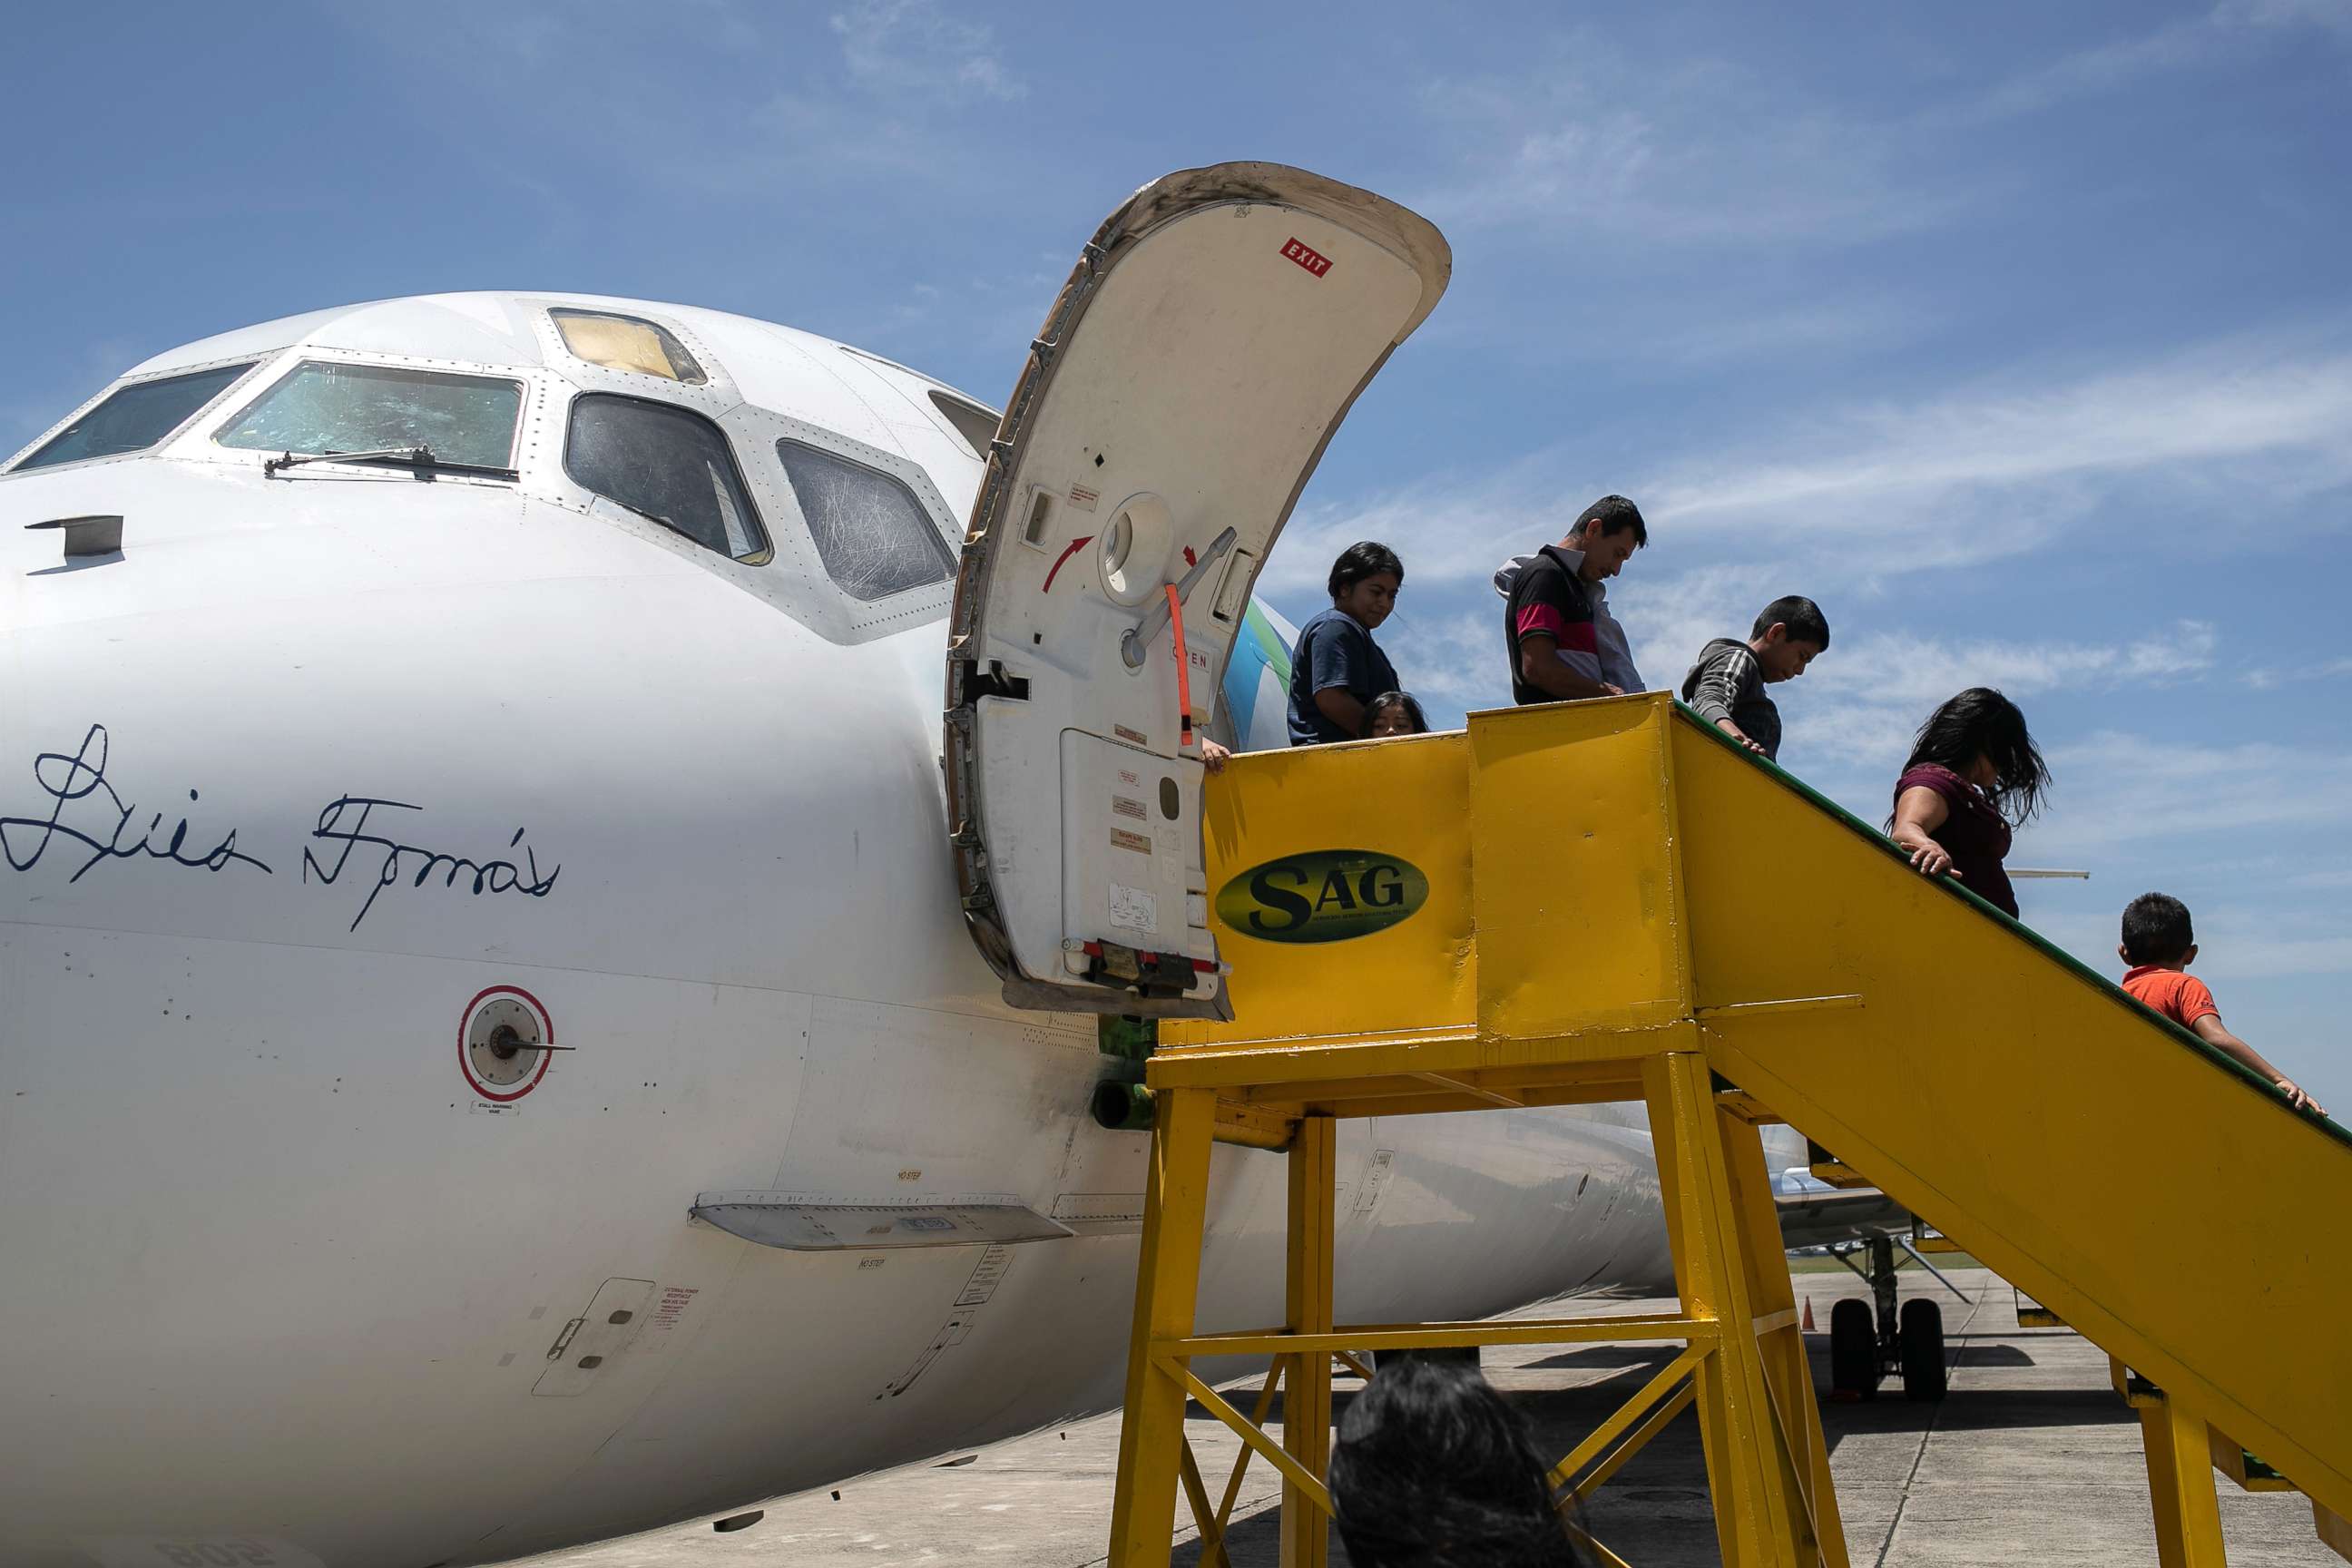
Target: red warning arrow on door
column 1076, row 545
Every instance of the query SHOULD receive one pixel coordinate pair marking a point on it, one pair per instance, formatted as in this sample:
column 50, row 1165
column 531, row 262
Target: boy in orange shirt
column 2159, row 944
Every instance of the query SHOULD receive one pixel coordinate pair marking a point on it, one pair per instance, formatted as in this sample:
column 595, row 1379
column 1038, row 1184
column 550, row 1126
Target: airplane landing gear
column 1870, row 1340
column 1921, row 1347
column 1854, row 1350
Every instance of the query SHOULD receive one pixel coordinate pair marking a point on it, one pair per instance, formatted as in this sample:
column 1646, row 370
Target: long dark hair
column 1433, row 1467
column 1979, row 722
column 1387, row 700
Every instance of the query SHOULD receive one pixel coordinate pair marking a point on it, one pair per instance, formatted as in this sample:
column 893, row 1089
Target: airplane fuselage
column 327, row 758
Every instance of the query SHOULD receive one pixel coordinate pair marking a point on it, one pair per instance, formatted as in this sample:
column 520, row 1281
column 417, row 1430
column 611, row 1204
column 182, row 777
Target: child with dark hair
column 2160, row 944
column 1432, row 1469
column 1393, row 713
column 1336, row 668
column 1726, row 685
column 1973, row 778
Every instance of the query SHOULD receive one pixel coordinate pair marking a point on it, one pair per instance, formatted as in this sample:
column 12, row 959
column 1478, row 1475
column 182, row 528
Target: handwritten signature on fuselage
column 344, row 823
column 86, row 809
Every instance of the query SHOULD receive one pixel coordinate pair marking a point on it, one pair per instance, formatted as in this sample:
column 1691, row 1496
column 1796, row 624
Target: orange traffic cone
column 1808, row 1324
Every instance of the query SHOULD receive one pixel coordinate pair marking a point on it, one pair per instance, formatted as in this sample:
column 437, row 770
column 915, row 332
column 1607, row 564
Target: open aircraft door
column 1209, row 341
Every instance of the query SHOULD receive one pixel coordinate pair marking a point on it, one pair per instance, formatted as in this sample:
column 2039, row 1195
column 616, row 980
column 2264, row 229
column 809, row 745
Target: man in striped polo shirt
column 1563, row 642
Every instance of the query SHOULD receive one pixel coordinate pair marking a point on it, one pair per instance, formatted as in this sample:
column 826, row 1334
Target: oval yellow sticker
column 1324, row 895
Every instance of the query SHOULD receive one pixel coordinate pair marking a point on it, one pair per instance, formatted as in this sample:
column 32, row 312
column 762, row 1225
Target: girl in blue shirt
column 1336, row 668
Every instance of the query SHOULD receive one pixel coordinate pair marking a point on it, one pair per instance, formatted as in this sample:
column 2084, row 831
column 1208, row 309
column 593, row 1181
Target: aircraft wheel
column 1923, row 1351
column 1854, row 1350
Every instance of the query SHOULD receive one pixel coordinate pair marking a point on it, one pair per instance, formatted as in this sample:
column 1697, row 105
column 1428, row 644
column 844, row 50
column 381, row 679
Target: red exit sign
column 1314, row 260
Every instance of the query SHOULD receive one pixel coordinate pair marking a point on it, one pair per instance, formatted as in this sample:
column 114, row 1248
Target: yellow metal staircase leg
column 1780, row 1340
column 1152, row 1436
column 2180, row 1487
column 1762, row 1517
column 1306, row 1381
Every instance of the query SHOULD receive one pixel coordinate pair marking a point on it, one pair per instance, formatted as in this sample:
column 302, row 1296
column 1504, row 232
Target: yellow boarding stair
column 1566, row 904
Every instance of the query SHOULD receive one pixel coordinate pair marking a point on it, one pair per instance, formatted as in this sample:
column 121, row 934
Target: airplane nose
column 289, row 787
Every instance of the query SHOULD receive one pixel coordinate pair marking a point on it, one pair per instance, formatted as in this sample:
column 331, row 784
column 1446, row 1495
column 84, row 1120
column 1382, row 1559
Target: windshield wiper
column 670, row 523
column 418, row 458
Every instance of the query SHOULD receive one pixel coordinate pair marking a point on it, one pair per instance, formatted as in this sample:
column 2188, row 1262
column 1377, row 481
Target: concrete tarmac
column 2031, row 1460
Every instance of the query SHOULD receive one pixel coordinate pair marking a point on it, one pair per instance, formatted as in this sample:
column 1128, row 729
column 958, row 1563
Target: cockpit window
column 665, row 463
column 134, row 417
column 870, row 531
column 976, row 424
column 626, row 342
column 326, row 407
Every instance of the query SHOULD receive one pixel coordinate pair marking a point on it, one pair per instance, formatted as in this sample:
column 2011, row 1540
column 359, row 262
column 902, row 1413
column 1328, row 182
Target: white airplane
column 493, row 1052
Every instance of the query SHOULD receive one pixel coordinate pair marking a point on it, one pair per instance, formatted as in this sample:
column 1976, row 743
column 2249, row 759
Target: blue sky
column 2017, row 335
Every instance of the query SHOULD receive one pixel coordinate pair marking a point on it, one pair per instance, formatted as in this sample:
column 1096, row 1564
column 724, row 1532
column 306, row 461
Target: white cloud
column 1450, row 526
column 2335, row 16
column 1851, row 321
column 1450, row 661
column 2004, row 454
column 1864, row 493
column 878, row 97
column 2270, row 677
column 907, row 48
column 2180, row 44
column 1669, row 619
column 2260, row 952
column 1862, row 701
column 1910, row 671
column 1590, row 168
column 2100, row 68
column 2123, row 789
column 1710, row 153
column 1713, row 153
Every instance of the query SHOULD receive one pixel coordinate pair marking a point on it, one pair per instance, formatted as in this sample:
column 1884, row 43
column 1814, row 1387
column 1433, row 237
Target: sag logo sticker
column 1325, row 895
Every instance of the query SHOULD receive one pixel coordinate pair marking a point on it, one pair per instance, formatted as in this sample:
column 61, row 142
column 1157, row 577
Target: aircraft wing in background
column 1815, row 1213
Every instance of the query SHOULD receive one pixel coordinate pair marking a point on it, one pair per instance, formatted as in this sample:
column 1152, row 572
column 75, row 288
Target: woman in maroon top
column 1974, row 774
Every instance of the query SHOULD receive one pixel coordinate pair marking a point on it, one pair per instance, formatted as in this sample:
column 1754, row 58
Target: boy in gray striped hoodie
column 1726, row 685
